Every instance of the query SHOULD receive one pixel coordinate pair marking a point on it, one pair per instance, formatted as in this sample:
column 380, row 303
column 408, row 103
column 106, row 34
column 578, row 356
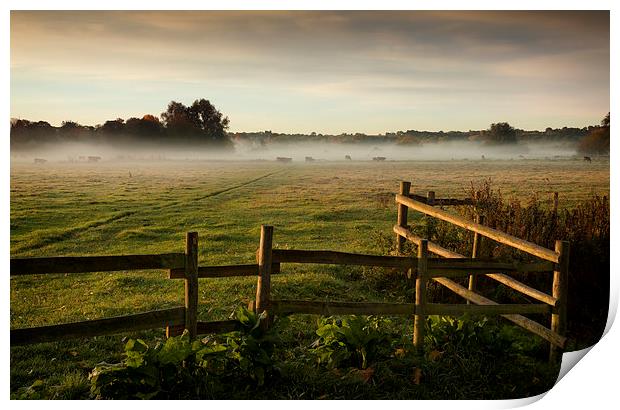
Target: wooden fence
column 558, row 258
column 421, row 268
column 175, row 320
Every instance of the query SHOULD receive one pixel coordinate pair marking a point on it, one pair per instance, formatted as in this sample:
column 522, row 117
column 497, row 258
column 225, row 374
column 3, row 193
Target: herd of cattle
column 94, row 159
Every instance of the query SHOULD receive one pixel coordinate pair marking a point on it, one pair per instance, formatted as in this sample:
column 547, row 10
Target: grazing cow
column 378, row 158
column 587, row 159
column 347, row 157
column 40, row 161
column 309, row 159
column 93, row 159
column 284, row 159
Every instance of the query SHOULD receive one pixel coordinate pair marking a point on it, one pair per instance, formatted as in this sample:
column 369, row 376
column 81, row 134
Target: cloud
column 390, row 60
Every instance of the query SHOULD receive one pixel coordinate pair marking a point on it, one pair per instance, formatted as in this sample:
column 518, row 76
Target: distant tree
column 176, row 120
column 113, row 127
column 199, row 122
column 208, row 120
column 605, row 121
column 151, row 118
column 408, row 140
column 597, row 141
column 500, row 133
column 147, row 127
column 72, row 131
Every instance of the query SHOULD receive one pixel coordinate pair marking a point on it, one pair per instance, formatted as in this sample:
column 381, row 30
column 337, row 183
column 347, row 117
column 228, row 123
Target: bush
column 181, row 368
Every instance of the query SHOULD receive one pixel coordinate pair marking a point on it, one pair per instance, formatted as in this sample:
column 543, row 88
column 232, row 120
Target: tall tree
column 177, row 121
column 199, row 122
column 205, row 117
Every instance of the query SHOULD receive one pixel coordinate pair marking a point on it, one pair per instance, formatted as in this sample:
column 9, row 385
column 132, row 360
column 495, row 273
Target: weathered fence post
column 420, row 296
column 430, row 223
column 560, row 292
column 475, row 253
column 405, row 188
column 263, row 286
column 191, row 283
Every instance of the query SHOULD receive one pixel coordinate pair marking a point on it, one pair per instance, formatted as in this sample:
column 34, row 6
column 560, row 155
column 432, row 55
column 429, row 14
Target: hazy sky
column 328, row 72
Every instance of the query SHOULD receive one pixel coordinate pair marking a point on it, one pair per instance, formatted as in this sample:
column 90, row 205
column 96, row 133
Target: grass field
column 124, row 208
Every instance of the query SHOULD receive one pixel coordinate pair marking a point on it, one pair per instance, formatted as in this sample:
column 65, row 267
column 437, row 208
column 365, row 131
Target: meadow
column 124, row 208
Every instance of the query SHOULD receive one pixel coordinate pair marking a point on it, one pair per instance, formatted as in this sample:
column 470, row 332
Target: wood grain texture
column 401, row 219
column 90, row 328
column 341, row 258
column 419, row 328
column 499, row 236
column 560, row 292
column 224, row 271
column 84, row 264
column 265, row 260
column 191, row 283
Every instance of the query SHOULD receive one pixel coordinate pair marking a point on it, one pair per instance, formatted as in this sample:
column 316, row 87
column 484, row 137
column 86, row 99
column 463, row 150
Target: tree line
column 200, row 123
column 590, row 139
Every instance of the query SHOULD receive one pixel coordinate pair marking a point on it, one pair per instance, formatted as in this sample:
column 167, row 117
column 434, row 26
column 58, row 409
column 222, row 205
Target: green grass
column 79, row 209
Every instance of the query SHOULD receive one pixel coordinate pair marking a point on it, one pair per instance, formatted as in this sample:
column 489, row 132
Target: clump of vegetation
column 353, row 357
column 483, row 352
column 181, row 368
column 351, row 342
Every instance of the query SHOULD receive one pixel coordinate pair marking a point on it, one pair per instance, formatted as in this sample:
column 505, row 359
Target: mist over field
column 398, row 152
column 318, row 151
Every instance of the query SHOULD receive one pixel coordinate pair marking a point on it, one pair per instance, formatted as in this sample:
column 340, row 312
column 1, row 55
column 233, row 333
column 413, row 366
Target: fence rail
column 499, row 236
column 225, row 271
column 99, row 327
column 85, row 264
column 341, row 258
column 442, row 201
column 365, row 308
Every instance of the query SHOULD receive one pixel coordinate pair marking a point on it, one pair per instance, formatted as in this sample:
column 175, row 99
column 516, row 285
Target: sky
column 321, row 71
